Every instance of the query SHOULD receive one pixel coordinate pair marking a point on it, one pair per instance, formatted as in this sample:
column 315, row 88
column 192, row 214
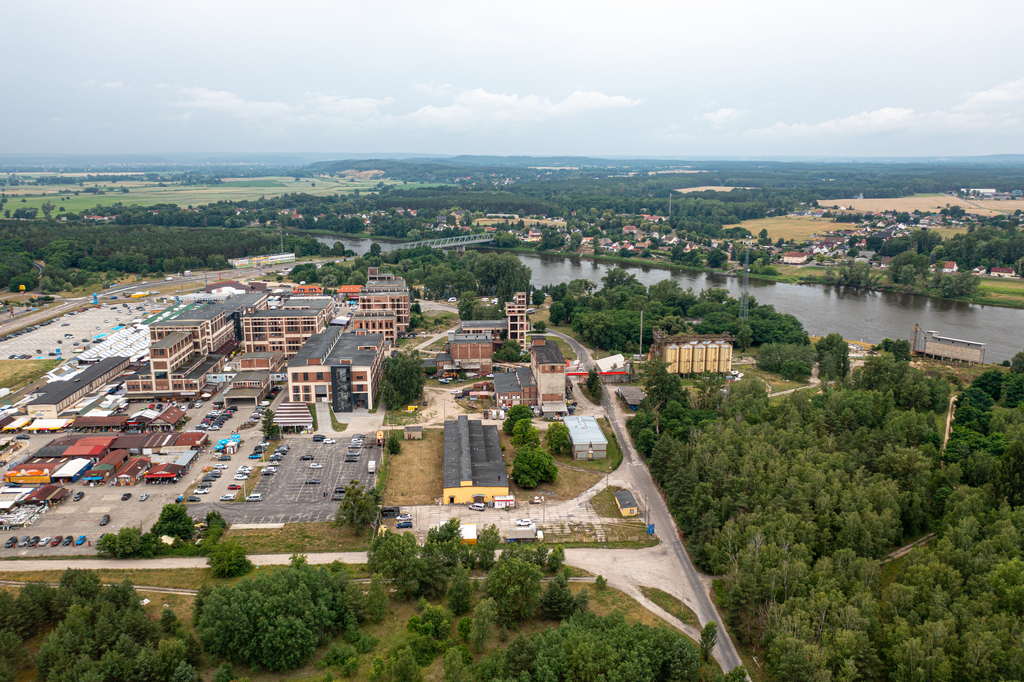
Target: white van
column 255, row 497
column 372, row 464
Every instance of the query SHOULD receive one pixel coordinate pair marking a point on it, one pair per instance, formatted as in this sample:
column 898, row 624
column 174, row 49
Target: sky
column 725, row 78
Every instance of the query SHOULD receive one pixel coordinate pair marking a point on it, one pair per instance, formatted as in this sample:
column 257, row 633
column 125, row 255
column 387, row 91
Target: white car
column 271, row 470
column 44, row 542
column 524, row 522
column 143, row 497
column 241, row 477
column 314, row 465
column 263, row 444
column 202, row 491
column 218, row 465
column 227, row 498
column 329, row 441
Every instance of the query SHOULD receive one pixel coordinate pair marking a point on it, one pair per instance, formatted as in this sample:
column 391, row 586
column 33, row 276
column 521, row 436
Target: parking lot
column 91, row 326
column 287, row 498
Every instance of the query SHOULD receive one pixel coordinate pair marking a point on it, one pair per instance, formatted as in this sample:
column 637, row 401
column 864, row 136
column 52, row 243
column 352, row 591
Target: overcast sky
column 718, row 77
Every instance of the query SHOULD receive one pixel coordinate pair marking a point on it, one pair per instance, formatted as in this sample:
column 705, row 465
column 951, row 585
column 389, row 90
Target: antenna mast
column 744, row 302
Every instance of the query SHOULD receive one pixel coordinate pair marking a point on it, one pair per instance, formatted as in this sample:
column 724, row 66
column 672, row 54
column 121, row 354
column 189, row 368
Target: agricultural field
column 925, row 203
column 796, row 228
column 148, row 193
column 711, row 188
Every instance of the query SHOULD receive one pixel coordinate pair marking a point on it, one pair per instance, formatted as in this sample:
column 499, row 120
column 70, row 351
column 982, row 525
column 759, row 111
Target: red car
column 234, row 486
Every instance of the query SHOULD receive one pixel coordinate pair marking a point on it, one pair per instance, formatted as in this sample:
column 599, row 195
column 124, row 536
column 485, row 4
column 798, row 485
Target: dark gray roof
column 57, row 391
column 525, row 376
column 332, row 346
column 317, row 346
column 472, row 452
column 443, row 357
column 549, row 354
column 200, row 368
column 506, row 382
column 625, row 499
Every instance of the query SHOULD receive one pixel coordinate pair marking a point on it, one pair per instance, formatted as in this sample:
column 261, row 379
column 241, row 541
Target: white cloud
column 113, row 85
column 721, row 116
column 1007, row 93
column 885, row 120
column 314, row 107
column 480, row 105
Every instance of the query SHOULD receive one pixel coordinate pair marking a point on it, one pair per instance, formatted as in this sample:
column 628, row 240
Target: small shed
column 414, row 433
column 504, row 501
column 632, row 396
column 626, row 503
column 521, row 535
column 468, row 532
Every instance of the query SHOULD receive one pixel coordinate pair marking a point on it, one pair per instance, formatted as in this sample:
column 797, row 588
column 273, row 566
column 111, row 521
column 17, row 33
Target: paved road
column 638, row 479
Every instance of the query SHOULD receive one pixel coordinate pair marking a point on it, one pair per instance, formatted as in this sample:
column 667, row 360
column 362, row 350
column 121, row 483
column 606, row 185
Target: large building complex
column 386, row 292
column 286, row 328
column 693, row 354
column 342, row 369
column 474, row 470
column 262, row 261
column 930, row 344
column 51, row 399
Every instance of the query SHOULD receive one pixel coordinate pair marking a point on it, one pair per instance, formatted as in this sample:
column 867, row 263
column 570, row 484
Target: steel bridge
column 459, row 242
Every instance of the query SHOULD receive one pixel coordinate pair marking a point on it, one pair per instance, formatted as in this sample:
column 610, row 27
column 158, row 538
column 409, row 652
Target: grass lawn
column 20, row 372
column 672, row 605
column 776, row 381
column 415, row 474
column 335, row 424
column 298, row 538
column 601, row 466
column 570, row 483
column 604, row 503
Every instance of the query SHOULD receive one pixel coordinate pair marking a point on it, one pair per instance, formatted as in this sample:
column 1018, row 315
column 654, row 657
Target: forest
column 797, row 502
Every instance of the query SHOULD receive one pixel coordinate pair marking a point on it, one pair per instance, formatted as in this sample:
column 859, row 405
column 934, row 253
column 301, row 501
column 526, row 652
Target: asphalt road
column 640, row 482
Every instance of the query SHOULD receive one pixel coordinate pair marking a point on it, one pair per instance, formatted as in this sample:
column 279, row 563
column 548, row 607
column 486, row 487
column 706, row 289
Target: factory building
column 693, row 354
column 930, row 344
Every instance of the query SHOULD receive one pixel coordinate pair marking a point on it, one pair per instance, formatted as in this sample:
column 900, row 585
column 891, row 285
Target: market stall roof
column 48, row 424
column 293, row 414
column 17, row 423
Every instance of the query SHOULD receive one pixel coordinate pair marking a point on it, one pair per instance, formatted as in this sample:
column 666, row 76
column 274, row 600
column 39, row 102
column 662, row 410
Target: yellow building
column 626, row 503
column 474, row 470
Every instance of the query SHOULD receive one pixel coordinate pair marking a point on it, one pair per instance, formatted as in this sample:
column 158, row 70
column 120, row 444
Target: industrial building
column 930, row 344
column 286, row 328
column 262, row 261
column 693, row 354
column 474, row 470
column 386, row 292
column 515, row 313
column 55, row 397
column 548, row 367
column 586, row 438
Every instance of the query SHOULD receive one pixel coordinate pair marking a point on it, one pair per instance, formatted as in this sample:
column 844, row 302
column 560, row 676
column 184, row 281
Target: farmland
column 932, row 203
column 149, row 193
column 790, row 228
column 710, row 188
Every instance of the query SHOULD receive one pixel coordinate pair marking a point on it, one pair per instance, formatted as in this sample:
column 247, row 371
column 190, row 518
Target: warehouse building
column 474, row 470
column 57, row 396
column 930, row 344
column 586, row 437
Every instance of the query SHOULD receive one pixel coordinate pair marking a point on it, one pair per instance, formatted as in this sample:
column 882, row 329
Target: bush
column 465, row 628
column 532, row 466
column 228, row 560
column 600, row 583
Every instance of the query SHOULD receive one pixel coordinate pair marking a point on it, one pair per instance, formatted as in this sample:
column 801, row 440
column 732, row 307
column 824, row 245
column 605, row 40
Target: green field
column 147, row 194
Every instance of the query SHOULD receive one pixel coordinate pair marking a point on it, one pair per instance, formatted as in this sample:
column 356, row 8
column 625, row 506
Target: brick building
column 287, row 328
column 385, row 291
column 343, row 369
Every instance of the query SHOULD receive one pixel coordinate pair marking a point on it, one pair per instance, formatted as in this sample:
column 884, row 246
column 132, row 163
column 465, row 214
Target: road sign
column 650, row 529
column 21, row 287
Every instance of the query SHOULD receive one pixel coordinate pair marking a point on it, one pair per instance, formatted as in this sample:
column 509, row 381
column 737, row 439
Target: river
column 855, row 313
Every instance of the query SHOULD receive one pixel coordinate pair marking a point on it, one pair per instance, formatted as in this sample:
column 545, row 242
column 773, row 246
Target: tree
column 225, row 673
column 1017, row 364
column 540, row 326
column 716, row 258
column 557, row 439
column 487, row 542
column 594, row 386
column 744, row 337
column 515, row 414
column 510, row 351
column 1008, row 477
column 460, row 591
column 556, row 558
column 708, row 640
column 525, row 433
column 515, row 587
column 556, row 313
column 127, row 543
column 185, row 672
column 557, row 602
column 229, row 560
column 271, row 431
column 396, row 558
column 377, row 599
column 403, row 380
column 533, row 466
column 539, row 297
column 833, row 356
column 174, row 521
column 484, row 616
column 394, row 443
column 360, row 506
column 168, row 621
column 455, row 666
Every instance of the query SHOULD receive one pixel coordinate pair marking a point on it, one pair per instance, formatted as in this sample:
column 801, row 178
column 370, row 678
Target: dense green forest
column 796, row 501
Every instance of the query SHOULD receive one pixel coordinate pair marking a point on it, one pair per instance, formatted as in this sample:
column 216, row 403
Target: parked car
column 312, row 481
column 126, row 496
column 193, row 498
column 56, row 541
column 80, row 541
column 318, row 438
column 523, row 523
column 105, row 519
column 11, row 542
column 329, row 441
column 68, row 539
column 79, row 495
column 143, row 497
column 306, row 458
column 404, row 524
column 255, row 497
column 477, row 506
column 234, row 486
column 227, row 498
column 23, row 542
column 316, row 465
column 44, row 542
column 404, row 517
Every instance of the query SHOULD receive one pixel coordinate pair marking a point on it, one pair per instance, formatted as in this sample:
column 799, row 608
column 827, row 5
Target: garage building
column 586, row 437
column 474, row 470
